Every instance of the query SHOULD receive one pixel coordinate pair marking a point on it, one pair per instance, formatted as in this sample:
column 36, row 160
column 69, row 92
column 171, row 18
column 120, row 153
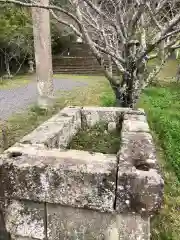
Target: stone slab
column 135, row 117
column 25, row 220
column 135, row 126
column 93, row 115
column 139, row 191
column 58, row 131
column 69, row 177
column 66, row 223
column 139, row 182
column 21, row 238
column 138, row 149
column 67, row 112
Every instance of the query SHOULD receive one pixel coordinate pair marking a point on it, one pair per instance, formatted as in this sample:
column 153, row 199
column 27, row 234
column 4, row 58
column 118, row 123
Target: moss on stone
column 97, row 139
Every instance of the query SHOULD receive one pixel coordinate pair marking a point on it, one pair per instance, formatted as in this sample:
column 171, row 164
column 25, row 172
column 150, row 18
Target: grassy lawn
column 21, row 124
column 162, row 105
column 15, row 82
column 169, row 71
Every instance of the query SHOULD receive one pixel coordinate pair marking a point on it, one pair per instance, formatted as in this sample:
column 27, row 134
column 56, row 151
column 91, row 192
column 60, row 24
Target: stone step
column 68, row 223
column 77, row 65
column 86, row 65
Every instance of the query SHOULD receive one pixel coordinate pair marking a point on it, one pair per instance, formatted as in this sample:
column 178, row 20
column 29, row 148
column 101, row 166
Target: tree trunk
column 8, row 72
column 43, row 55
column 123, row 96
column 124, row 93
column 178, row 74
column 129, row 91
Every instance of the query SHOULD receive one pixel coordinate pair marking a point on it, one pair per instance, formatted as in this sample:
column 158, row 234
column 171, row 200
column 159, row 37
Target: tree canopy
column 16, row 35
column 15, row 27
column 127, row 33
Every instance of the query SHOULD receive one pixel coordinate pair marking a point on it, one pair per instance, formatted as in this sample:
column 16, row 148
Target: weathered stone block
column 138, row 149
column 93, row 115
column 25, row 220
column 58, row 131
column 135, row 117
column 21, row 238
column 87, row 196
column 147, row 191
column 135, row 126
column 139, row 191
column 139, row 183
column 133, row 227
column 73, row 223
column 71, row 177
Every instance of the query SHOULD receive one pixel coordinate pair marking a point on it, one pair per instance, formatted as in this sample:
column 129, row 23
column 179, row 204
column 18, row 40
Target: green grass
column 15, row 82
column 168, row 73
column 97, row 139
column 162, row 105
column 107, row 99
column 20, row 124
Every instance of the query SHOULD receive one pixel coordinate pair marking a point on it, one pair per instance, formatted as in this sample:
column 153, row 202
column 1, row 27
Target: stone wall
column 53, row 193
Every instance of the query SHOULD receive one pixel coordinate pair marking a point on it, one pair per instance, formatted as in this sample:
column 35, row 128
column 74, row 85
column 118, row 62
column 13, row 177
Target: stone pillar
column 43, row 55
column 31, row 66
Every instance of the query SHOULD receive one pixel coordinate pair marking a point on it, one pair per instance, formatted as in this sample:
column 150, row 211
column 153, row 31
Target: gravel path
column 17, row 99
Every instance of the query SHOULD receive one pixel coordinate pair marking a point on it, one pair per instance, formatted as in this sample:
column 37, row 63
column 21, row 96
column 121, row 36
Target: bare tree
column 13, row 51
column 123, row 33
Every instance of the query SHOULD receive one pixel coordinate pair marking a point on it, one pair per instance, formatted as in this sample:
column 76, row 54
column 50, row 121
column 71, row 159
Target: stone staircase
column 79, row 61
column 76, row 65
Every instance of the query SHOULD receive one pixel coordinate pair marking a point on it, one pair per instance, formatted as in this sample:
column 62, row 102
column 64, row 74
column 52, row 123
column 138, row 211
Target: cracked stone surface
column 58, row 131
column 69, row 223
column 25, row 220
column 87, row 195
column 70, row 177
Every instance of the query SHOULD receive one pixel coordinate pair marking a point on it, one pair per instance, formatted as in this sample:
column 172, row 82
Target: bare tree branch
column 123, row 35
column 75, row 30
column 153, row 17
column 49, row 7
